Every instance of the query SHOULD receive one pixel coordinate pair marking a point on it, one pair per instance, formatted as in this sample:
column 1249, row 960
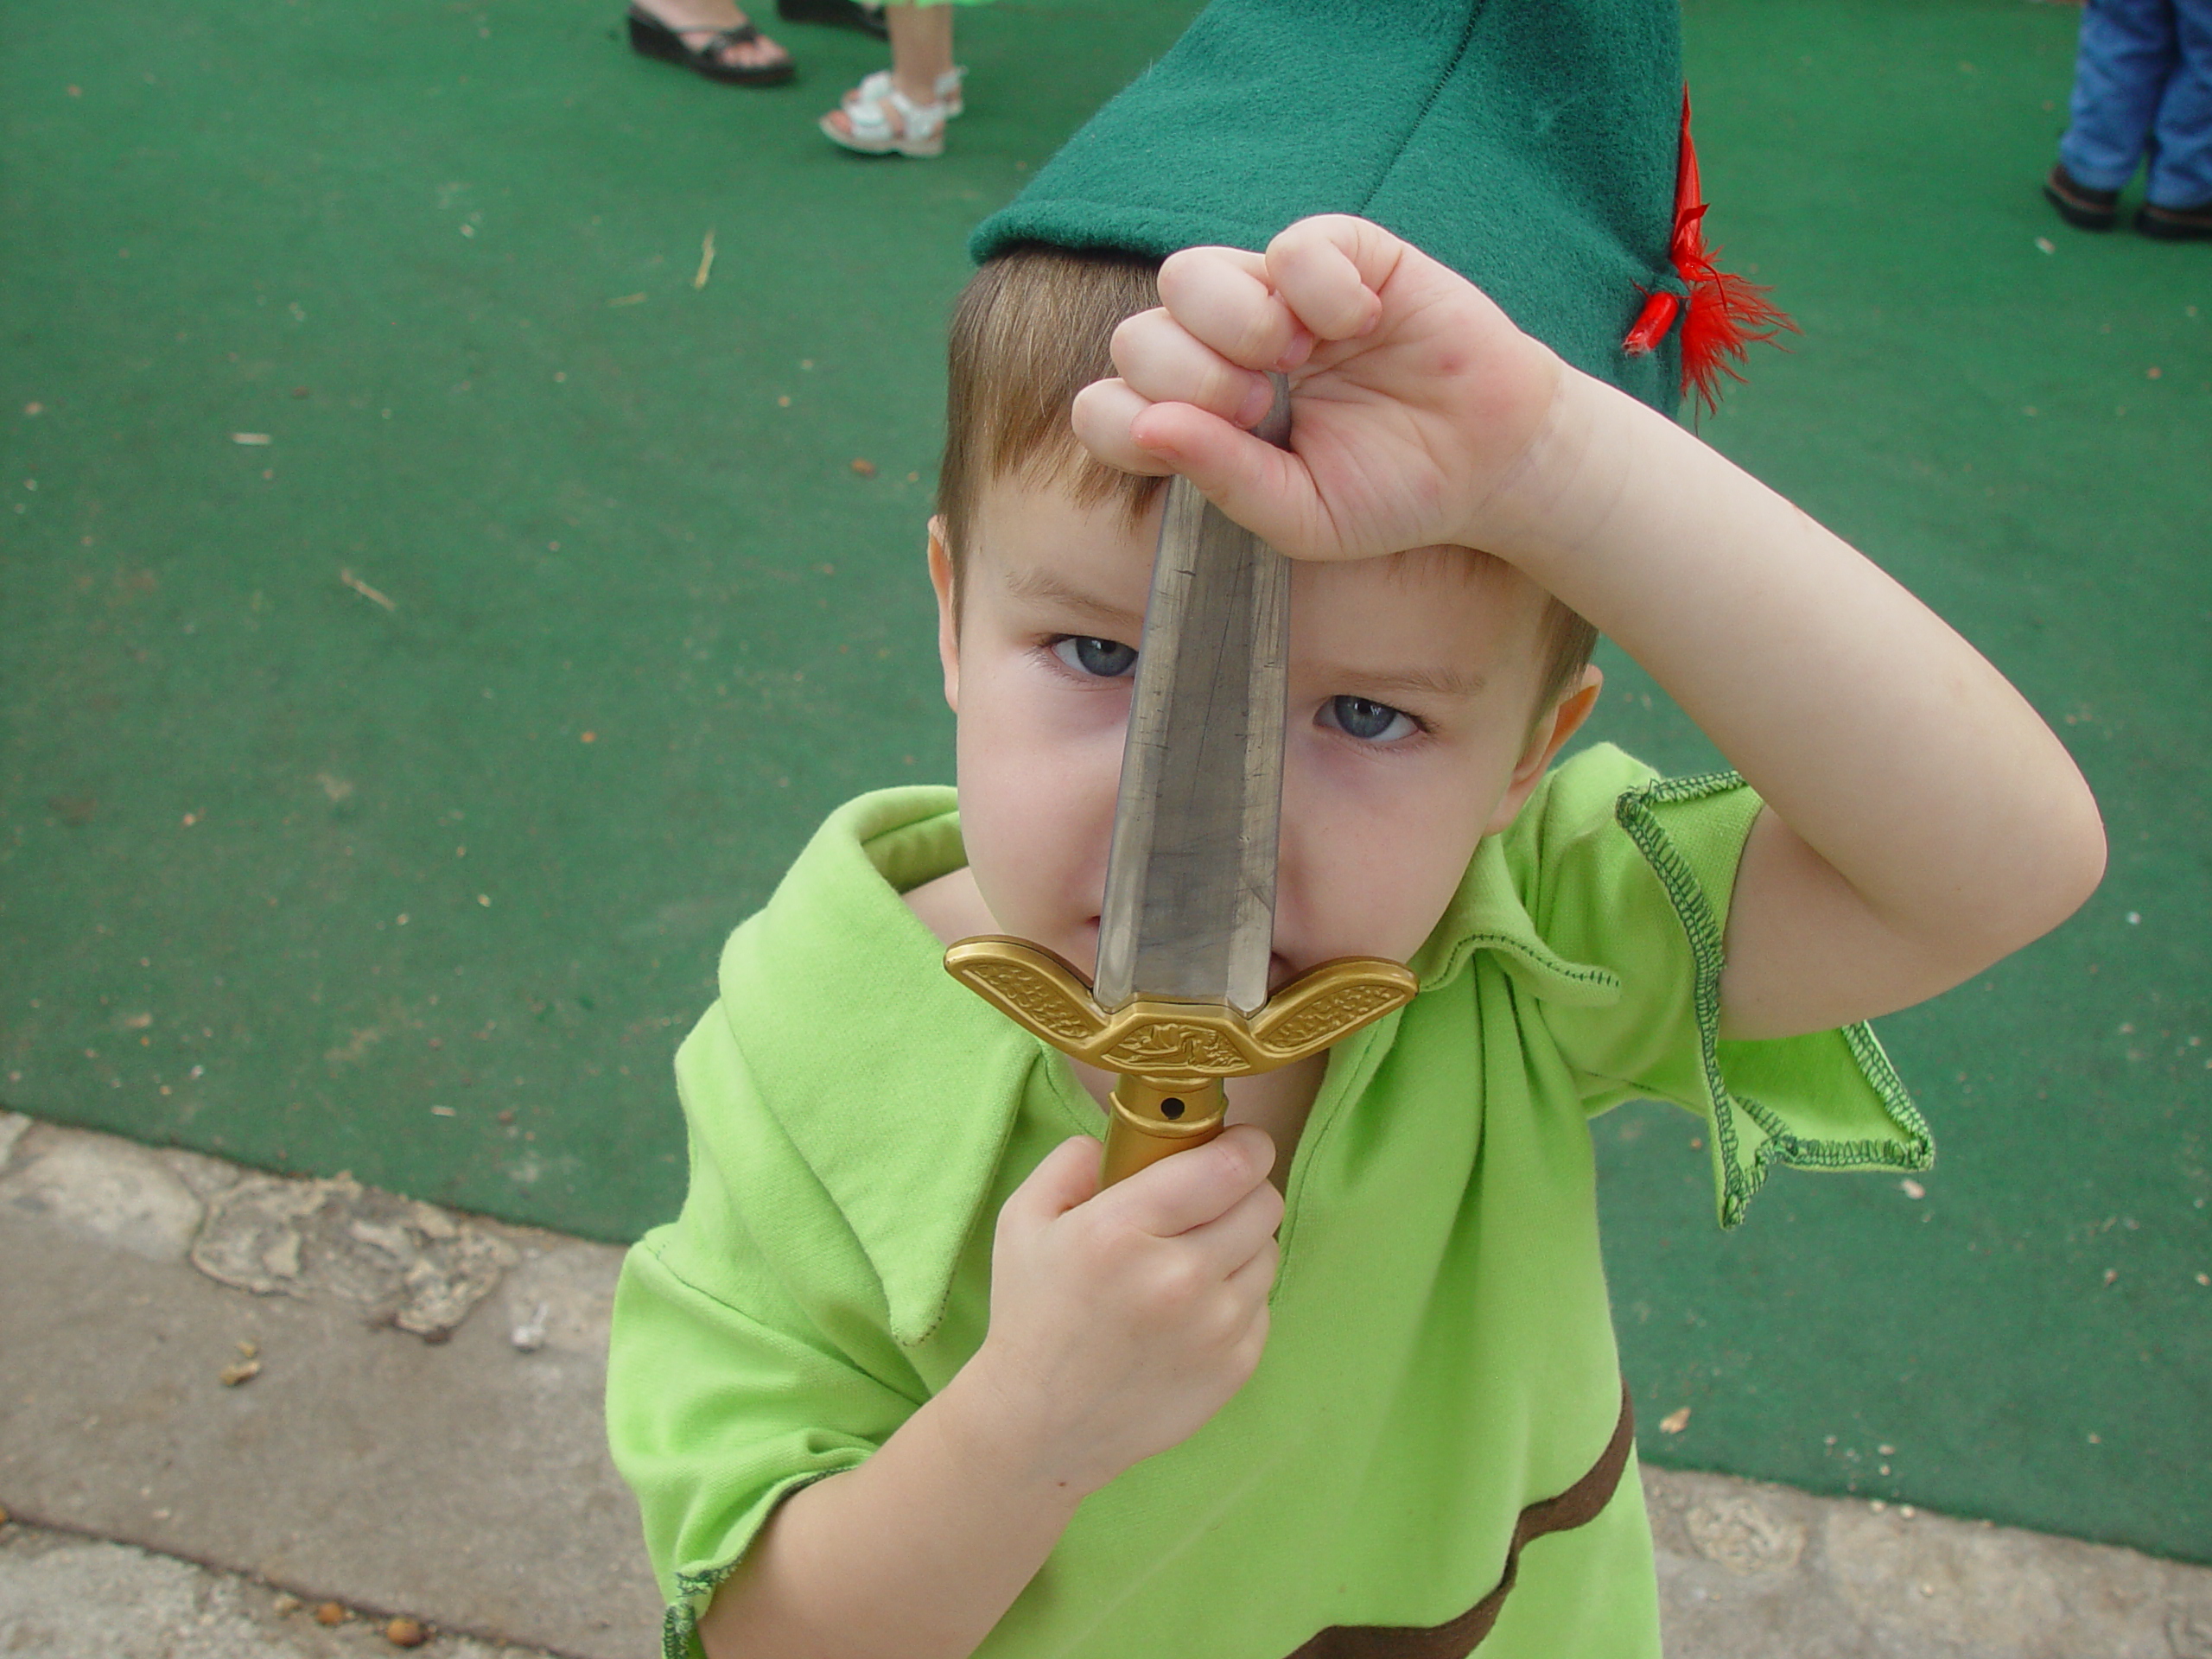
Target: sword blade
column 1189, row 911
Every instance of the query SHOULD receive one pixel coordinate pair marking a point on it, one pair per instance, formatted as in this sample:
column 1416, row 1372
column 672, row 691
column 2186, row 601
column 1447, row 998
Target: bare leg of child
column 921, row 49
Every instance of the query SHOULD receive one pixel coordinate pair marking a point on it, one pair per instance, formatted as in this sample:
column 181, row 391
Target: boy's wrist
column 985, row 1420
column 1568, row 484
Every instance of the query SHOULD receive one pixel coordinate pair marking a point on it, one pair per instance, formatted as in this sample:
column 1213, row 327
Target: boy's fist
column 1122, row 1320
column 1416, row 405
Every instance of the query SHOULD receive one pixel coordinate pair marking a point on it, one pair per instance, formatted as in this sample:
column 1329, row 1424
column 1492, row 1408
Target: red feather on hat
column 1726, row 314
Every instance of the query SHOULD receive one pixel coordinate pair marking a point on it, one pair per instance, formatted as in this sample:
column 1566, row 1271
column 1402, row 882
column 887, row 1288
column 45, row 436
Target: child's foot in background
column 883, row 121
column 2079, row 205
column 2175, row 223
column 902, row 111
column 948, row 90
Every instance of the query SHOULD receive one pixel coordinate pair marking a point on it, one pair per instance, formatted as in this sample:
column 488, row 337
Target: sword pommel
column 1172, row 1056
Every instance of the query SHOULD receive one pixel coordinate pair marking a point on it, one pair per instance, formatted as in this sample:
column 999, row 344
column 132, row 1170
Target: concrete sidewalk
column 228, row 1399
column 65, row 1597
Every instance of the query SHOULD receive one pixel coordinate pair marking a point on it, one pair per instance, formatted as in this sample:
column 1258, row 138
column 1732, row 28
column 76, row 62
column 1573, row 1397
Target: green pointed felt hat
column 1532, row 145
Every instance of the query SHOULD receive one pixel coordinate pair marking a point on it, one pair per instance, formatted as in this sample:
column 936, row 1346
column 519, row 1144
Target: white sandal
column 873, row 88
column 891, row 124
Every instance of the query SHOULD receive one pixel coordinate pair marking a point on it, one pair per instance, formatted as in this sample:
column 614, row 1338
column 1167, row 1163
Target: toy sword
column 1186, row 928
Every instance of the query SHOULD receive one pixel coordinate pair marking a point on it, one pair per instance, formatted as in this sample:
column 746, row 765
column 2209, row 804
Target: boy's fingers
column 1222, row 295
column 1179, row 264
column 1168, row 1198
column 1103, row 413
column 1265, row 489
column 1255, row 1275
column 1164, row 362
column 1248, row 1229
column 1067, row 1177
column 1330, row 270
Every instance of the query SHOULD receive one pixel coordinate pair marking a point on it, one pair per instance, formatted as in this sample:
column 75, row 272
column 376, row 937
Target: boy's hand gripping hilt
column 1172, row 1056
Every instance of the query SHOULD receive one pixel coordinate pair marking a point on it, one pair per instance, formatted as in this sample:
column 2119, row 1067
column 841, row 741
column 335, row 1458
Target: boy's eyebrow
column 1033, row 582
column 1434, row 682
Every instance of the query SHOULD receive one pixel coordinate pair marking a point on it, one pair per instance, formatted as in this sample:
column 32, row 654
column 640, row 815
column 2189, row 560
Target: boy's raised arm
column 1923, row 821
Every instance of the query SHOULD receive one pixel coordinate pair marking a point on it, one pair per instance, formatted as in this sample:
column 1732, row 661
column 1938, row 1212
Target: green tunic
column 1441, row 1352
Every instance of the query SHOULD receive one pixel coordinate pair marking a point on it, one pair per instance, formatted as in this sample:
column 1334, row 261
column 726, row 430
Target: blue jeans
column 2143, row 90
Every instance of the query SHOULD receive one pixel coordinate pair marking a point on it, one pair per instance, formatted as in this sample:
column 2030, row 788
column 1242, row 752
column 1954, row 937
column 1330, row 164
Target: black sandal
column 652, row 38
column 842, row 14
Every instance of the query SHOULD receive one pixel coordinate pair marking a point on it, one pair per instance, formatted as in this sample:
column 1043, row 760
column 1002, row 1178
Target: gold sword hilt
column 1172, row 1057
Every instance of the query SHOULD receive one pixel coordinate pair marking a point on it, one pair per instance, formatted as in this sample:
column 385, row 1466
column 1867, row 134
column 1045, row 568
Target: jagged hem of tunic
column 679, row 1625
column 695, row 1591
column 1912, row 1148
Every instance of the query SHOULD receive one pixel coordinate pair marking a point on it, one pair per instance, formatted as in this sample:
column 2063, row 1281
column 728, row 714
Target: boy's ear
column 948, row 612
column 1564, row 719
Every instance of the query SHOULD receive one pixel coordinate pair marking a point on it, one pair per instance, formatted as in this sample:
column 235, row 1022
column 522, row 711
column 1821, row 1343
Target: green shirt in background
column 1440, row 1353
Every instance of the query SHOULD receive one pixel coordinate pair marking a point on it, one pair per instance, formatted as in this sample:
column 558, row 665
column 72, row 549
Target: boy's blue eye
column 1108, row 659
column 1367, row 720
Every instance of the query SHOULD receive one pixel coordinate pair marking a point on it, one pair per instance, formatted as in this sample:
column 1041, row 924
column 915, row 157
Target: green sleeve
column 715, row 1419
column 1634, row 874
column 726, row 1392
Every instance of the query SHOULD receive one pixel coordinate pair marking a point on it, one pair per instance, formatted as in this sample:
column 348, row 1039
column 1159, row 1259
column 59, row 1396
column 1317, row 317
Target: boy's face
column 1412, row 682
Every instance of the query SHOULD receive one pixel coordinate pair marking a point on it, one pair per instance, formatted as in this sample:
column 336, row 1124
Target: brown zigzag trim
column 1578, row 1505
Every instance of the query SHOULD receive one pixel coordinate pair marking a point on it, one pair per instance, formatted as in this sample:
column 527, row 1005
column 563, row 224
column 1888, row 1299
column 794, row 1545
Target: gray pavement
column 228, row 1399
column 64, row 1597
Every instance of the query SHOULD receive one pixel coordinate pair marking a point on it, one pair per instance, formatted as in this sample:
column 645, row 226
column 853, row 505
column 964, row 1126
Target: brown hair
column 1033, row 328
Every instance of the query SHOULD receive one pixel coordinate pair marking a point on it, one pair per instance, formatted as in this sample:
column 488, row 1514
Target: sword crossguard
column 1171, row 1055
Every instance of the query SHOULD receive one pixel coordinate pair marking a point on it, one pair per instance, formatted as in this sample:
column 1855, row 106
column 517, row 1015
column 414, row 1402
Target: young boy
column 902, row 1382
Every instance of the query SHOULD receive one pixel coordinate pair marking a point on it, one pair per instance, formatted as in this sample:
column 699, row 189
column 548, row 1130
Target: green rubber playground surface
column 433, row 617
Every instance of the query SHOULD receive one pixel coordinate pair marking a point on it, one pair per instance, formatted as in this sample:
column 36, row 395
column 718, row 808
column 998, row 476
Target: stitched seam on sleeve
column 753, row 1322
column 1541, row 957
column 661, row 1260
column 695, row 1591
column 1739, row 1181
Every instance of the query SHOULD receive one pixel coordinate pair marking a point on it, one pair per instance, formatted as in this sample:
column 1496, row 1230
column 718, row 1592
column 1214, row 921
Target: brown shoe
column 2175, row 223
column 2079, row 205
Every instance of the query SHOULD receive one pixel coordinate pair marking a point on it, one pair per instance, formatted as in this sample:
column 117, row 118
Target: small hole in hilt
column 1171, row 1108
